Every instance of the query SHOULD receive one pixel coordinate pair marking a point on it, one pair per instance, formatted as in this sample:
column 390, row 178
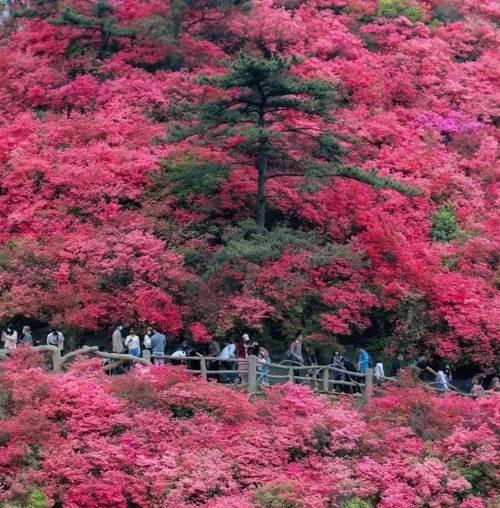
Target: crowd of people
column 435, row 374
column 11, row 339
column 229, row 363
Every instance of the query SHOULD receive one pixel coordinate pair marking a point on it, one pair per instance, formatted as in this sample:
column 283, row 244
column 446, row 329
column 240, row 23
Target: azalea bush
column 118, row 202
column 159, row 437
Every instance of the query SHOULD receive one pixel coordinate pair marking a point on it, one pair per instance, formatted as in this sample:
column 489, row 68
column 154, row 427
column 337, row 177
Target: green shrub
column 482, row 477
column 356, row 502
column 36, row 499
column 444, row 224
column 278, row 495
column 396, row 8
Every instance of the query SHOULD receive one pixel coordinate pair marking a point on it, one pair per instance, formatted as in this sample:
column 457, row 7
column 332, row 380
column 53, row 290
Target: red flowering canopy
column 103, row 217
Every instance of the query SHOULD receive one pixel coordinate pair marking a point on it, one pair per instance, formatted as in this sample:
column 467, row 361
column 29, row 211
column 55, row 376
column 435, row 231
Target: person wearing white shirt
column 226, row 355
column 441, row 381
column 147, row 338
column 133, row 343
column 9, row 337
column 179, row 354
column 55, row 338
column 378, row 372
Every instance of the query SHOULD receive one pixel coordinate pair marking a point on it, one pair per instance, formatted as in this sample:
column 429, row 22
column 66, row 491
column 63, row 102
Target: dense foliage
column 108, row 213
column 158, row 438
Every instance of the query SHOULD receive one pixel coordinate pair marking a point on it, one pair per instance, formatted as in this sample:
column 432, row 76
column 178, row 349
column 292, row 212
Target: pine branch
column 373, row 179
column 369, row 177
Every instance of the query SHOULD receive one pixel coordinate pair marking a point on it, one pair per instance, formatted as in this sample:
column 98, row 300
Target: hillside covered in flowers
column 158, row 438
column 327, row 167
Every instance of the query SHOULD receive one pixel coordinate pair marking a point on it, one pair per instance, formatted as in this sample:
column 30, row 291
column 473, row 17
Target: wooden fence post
column 326, row 379
column 290, row 375
column 57, row 360
column 368, row 385
column 252, row 374
column 203, row 367
column 146, row 354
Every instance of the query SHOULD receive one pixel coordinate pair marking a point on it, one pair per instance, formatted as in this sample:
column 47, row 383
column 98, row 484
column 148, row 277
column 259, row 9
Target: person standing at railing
column 133, row 343
column 243, row 352
column 448, row 373
column 117, row 340
column 337, row 362
column 27, row 339
column 158, row 343
column 425, row 372
column 263, row 363
column 228, row 361
column 213, row 365
column 441, row 381
column 363, row 360
column 9, row 337
column 294, row 354
column 179, row 354
column 351, row 367
column 295, row 350
column 378, row 371
column 477, row 389
column 56, row 338
column 146, row 341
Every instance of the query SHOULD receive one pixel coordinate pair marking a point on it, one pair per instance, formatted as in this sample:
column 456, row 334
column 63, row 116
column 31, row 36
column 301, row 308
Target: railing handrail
column 294, row 366
column 320, row 375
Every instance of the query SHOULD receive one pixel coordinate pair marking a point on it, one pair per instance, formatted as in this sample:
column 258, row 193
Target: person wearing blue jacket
column 158, row 343
column 363, row 360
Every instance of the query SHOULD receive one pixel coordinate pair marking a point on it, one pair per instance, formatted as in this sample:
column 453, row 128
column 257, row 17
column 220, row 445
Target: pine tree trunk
column 262, row 163
column 177, row 12
column 103, row 46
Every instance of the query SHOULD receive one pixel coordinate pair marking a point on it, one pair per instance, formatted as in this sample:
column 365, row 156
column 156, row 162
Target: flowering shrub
column 105, row 217
column 159, row 437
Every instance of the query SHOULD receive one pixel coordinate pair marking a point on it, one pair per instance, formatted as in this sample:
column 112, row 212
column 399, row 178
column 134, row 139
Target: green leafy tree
column 263, row 98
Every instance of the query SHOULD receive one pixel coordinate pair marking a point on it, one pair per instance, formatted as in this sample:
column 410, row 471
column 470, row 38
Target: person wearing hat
column 243, row 359
column 263, row 362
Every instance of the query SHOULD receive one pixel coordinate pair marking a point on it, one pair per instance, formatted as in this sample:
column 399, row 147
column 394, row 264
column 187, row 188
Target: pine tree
column 103, row 21
column 263, row 94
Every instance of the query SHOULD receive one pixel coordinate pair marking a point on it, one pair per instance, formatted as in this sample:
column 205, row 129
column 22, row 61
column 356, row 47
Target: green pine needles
column 103, row 21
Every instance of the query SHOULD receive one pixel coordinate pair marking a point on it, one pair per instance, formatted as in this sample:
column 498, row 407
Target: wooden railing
column 251, row 372
column 59, row 360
